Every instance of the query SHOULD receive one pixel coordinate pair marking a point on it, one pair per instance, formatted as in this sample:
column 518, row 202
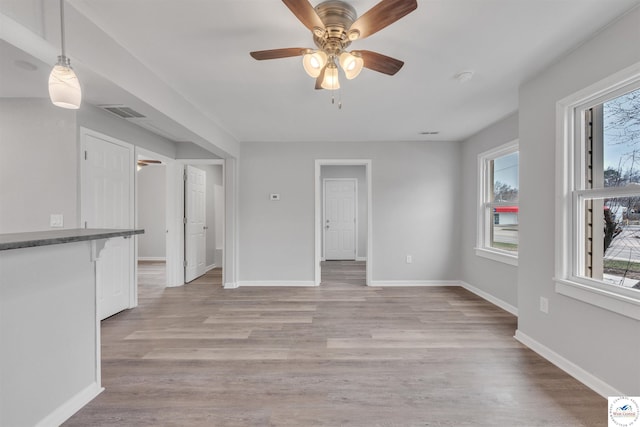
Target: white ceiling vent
column 123, row 112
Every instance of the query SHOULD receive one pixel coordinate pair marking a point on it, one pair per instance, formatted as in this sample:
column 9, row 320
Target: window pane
column 612, row 241
column 621, row 135
column 504, row 228
column 505, row 178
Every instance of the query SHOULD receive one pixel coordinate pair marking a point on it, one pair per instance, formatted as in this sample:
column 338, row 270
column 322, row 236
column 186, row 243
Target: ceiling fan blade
column 305, row 13
column 278, row 53
column 320, row 78
column 380, row 63
column 382, row 15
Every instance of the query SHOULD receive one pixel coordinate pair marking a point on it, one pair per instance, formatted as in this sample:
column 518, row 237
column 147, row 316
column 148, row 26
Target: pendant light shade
column 64, row 86
column 351, row 64
column 313, row 62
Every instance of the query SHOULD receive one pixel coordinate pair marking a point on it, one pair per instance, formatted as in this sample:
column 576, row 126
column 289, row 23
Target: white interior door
column 195, row 193
column 107, row 202
column 339, row 223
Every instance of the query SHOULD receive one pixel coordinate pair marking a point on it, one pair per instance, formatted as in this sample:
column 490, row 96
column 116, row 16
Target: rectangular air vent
column 123, row 112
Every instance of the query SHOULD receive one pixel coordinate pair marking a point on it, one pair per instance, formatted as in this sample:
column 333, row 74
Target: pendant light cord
column 62, row 27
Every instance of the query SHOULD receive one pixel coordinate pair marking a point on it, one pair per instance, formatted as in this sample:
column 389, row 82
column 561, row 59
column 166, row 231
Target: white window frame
column 571, row 193
column 484, row 216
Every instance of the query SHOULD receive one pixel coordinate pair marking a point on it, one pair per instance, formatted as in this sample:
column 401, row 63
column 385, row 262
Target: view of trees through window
column 621, row 168
column 504, row 228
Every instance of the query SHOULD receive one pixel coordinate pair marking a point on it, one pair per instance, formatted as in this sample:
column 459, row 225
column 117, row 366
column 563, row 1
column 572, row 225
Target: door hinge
column 184, row 264
column 85, row 154
column 184, row 175
column 184, row 220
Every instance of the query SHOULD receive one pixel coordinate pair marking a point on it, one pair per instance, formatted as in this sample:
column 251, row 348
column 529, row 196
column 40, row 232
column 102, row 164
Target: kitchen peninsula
column 49, row 328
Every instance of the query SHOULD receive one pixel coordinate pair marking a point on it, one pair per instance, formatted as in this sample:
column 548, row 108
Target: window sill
column 497, row 256
column 621, row 304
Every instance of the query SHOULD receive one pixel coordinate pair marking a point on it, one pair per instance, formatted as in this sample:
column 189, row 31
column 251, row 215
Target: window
column 599, row 183
column 498, row 204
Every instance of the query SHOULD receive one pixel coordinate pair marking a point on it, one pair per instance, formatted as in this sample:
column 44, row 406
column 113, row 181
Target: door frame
column 355, row 212
column 318, row 213
column 227, row 276
column 172, row 277
column 84, row 132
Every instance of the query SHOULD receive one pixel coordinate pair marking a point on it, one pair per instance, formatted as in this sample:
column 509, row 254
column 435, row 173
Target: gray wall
column 495, row 278
column 38, row 165
column 152, row 199
column 359, row 173
column 415, row 200
column 599, row 341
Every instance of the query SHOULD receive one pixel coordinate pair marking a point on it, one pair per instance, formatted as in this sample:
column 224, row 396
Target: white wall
column 603, row 343
column 359, row 173
column 152, row 195
column 498, row 279
column 415, row 200
column 38, row 165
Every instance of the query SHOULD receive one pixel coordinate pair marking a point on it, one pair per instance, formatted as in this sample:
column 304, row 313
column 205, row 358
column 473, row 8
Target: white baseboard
column 493, row 300
column 407, row 283
column 594, row 383
column 361, row 258
column 210, row 267
column 230, row 285
column 71, row 406
column 278, row 283
column 152, row 258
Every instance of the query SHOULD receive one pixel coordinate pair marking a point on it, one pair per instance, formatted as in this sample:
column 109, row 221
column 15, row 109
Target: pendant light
column 64, row 87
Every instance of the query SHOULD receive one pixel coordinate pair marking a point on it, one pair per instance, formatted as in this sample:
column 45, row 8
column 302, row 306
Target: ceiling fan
column 142, row 163
column 335, row 24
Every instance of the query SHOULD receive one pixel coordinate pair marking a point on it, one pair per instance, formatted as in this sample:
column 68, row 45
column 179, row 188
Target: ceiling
column 201, row 49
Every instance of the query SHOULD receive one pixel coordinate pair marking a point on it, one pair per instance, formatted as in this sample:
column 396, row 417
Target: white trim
column 276, row 283
column 569, row 192
column 230, row 285
column 318, row 212
column 152, row 258
column 210, row 267
column 497, row 256
column 355, row 212
column 616, row 302
column 360, row 258
column 413, row 283
column 493, row 300
column 63, row 412
column 588, row 379
column 484, row 219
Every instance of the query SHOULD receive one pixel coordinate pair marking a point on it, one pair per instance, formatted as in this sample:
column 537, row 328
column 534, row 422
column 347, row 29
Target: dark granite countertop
column 56, row 237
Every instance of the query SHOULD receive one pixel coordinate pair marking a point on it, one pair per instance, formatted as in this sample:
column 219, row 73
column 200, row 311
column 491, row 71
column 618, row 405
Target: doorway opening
column 343, row 222
column 203, row 210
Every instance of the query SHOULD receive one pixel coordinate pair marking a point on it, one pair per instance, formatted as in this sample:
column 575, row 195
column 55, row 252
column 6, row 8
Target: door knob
column 205, row 228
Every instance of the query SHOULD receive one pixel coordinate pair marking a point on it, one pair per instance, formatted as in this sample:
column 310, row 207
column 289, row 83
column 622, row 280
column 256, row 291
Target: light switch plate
column 274, row 196
column 56, row 221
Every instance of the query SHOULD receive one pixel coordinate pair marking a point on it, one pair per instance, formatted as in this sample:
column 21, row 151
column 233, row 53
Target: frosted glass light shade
column 64, row 87
column 330, row 81
column 313, row 62
column 351, row 64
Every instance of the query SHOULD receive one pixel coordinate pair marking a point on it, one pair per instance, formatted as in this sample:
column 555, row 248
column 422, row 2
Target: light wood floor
column 342, row 354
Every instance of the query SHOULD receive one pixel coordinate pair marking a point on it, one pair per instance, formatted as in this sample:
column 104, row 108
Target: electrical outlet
column 544, row 305
column 409, row 259
column 56, row 221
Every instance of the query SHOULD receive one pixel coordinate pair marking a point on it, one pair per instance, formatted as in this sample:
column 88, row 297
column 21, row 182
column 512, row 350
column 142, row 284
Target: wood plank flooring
column 342, row 354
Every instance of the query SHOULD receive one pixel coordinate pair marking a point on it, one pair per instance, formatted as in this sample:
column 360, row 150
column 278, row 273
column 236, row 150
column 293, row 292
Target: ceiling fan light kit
column 334, row 24
column 64, row 86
